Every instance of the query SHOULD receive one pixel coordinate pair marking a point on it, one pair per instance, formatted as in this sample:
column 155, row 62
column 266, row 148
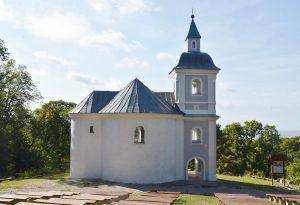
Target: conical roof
column 94, row 102
column 193, row 31
column 138, row 98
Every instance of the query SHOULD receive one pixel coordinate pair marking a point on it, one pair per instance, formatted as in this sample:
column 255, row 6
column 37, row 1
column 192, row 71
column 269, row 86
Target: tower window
column 193, row 44
column 196, row 87
column 196, row 136
column 139, row 135
column 91, row 129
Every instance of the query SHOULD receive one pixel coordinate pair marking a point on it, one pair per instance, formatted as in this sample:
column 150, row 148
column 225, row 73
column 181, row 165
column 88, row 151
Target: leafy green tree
column 252, row 129
column 4, row 55
column 268, row 143
column 291, row 147
column 293, row 171
column 51, row 132
column 231, row 150
column 17, row 90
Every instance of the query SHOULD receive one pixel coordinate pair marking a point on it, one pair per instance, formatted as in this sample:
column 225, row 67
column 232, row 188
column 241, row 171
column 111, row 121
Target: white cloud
column 58, row 26
column 5, row 13
column 133, row 63
column 70, row 27
column 166, row 56
column 123, row 7
column 133, row 6
column 44, row 55
column 101, row 5
column 112, row 84
column 109, row 38
column 83, row 78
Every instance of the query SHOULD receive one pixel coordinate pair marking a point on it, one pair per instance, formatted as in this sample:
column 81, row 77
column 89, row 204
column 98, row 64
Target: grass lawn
column 18, row 183
column 23, row 183
column 236, row 181
column 190, row 199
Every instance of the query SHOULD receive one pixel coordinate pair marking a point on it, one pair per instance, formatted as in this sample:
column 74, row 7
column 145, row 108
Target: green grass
column 191, row 199
column 23, row 183
column 259, row 184
column 19, row 183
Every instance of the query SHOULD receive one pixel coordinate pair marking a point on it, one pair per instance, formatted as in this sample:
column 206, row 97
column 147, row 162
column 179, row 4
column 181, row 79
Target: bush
column 35, row 172
column 293, row 171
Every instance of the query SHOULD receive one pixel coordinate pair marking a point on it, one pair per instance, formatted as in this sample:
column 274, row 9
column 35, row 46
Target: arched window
column 196, row 87
column 139, row 135
column 193, row 44
column 196, row 135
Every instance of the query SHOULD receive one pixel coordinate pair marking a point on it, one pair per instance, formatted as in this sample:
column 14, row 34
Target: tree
column 252, row 129
column 293, row 171
column 267, row 144
column 291, row 147
column 230, row 150
column 51, row 132
column 4, row 55
column 16, row 92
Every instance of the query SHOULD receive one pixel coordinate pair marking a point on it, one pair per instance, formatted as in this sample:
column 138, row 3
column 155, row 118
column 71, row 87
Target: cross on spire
column 192, row 16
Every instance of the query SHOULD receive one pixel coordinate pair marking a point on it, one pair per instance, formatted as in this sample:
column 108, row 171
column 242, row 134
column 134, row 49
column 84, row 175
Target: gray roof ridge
column 82, row 103
column 131, row 98
column 114, row 104
column 126, row 102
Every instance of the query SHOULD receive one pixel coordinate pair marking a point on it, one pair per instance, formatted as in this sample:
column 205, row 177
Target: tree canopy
column 29, row 139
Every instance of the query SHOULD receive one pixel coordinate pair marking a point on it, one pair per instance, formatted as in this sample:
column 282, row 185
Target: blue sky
column 73, row 47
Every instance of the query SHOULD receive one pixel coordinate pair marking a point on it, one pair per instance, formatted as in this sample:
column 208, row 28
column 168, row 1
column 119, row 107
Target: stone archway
column 195, row 169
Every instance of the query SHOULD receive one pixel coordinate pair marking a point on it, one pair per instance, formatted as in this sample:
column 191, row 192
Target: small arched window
column 139, row 135
column 196, row 87
column 194, row 44
column 196, row 136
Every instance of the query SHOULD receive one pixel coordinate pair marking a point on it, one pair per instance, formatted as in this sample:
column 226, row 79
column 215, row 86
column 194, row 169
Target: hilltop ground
column 192, row 193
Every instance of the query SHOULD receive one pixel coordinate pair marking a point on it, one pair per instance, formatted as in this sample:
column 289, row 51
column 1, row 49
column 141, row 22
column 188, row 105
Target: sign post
column 278, row 166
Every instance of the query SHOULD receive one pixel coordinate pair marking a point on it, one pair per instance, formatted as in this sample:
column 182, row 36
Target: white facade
column 111, row 154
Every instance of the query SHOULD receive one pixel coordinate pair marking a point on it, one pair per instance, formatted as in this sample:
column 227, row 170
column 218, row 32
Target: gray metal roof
column 94, row 102
column 193, row 31
column 195, row 60
column 134, row 98
column 138, row 98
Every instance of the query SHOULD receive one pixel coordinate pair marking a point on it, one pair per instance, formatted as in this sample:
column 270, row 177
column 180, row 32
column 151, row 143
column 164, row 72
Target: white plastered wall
column 110, row 153
column 85, row 147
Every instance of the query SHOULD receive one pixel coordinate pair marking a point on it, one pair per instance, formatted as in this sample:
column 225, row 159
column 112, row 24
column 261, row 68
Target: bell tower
column 194, row 80
column 194, row 77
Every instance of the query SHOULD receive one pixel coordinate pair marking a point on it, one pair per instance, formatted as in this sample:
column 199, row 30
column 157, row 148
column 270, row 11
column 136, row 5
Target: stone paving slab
column 15, row 196
column 42, row 194
column 240, row 199
column 97, row 198
column 65, row 201
column 7, row 201
column 31, row 203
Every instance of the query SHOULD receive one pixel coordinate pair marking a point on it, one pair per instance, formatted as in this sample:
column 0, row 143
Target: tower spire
column 193, row 37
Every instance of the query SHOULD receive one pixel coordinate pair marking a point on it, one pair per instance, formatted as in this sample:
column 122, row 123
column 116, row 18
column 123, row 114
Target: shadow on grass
column 261, row 187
